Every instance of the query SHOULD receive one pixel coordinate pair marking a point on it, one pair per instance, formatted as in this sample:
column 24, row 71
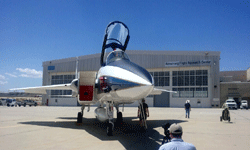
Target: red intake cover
column 86, row 93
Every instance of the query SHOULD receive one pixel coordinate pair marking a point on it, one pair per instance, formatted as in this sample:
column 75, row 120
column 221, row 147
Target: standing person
column 177, row 143
column 187, row 108
column 144, row 113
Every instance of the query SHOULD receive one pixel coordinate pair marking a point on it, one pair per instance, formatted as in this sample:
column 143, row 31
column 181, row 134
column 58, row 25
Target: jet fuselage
column 122, row 79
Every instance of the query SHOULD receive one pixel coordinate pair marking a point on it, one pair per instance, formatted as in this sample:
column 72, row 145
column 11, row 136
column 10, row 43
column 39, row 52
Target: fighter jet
column 118, row 81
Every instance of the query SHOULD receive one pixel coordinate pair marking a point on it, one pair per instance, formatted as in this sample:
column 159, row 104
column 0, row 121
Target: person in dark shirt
column 144, row 113
column 187, row 108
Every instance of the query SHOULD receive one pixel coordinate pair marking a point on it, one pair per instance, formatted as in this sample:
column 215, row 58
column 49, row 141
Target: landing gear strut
column 110, row 112
column 80, row 114
column 119, row 119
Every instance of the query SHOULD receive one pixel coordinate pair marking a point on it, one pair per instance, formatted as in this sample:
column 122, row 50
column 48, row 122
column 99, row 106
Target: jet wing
column 42, row 89
column 159, row 91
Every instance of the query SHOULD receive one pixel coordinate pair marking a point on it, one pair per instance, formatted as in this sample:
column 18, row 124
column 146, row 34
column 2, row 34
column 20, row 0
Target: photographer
column 175, row 131
column 166, row 138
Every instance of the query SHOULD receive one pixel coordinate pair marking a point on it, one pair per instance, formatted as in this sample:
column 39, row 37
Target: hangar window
column 198, row 80
column 186, row 80
column 175, row 94
column 180, row 80
column 204, row 80
column 161, row 78
column 61, row 79
column 174, row 81
column 191, row 83
column 190, row 92
column 182, row 92
column 198, row 92
column 205, row 92
column 190, row 78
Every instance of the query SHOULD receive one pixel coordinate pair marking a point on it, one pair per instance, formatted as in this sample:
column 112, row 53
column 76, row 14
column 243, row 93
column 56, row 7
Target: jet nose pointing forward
column 128, row 80
column 142, row 73
column 137, row 90
column 140, row 82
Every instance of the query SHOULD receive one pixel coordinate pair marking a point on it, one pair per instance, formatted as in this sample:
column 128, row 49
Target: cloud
column 2, row 80
column 12, row 75
column 2, row 77
column 30, row 73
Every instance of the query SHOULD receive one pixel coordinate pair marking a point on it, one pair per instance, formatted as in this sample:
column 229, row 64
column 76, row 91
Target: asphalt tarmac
column 55, row 128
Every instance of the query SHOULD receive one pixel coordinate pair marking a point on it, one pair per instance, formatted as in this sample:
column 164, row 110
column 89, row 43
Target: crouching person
column 175, row 131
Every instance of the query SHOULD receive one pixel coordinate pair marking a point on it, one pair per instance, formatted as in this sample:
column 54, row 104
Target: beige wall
column 248, row 74
column 235, row 75
column 235, row 90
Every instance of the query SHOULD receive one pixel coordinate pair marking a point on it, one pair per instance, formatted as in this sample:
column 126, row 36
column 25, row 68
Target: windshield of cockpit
column 117, row 33
column 116, row 55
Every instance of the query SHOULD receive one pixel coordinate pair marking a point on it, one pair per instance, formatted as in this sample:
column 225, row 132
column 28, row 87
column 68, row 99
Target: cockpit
column 117, row 55
column 115, row 43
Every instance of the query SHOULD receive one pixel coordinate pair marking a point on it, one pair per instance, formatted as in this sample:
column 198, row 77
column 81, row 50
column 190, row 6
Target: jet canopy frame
column 116, row 55
column 116, row 37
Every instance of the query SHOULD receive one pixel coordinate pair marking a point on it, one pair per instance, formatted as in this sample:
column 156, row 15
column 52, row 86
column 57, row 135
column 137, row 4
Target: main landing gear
column 110, row 113
column 80, row 114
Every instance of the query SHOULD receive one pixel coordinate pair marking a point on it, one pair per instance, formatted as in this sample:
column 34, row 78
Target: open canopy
column 116, row 37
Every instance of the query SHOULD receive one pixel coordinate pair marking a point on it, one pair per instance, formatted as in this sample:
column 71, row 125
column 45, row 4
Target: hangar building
column 235, row 85
column 193, row 74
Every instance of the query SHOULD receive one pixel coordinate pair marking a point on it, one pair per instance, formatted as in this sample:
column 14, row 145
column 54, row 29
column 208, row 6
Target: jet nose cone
column 142, row 73
column 147, row 77
column 135, row 69
column 143, row 83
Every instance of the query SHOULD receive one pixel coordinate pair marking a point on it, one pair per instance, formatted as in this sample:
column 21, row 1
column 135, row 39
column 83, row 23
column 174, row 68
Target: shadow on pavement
column 129, row 134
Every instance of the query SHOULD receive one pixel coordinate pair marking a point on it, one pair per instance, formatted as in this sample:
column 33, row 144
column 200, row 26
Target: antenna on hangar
column 76, row 75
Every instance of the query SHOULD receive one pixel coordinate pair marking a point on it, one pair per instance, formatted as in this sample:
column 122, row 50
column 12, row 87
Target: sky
column 34, row 31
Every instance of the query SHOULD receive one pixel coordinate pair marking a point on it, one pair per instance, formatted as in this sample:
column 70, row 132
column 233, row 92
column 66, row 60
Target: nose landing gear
column 110, row 113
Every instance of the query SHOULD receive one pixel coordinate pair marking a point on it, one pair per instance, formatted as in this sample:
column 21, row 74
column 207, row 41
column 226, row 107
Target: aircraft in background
column 119, row 81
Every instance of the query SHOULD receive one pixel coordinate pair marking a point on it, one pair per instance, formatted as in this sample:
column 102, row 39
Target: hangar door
column 162, row 100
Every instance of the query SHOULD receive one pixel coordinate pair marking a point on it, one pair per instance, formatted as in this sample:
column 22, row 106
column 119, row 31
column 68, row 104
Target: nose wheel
column 110, row 128
column 110, row 112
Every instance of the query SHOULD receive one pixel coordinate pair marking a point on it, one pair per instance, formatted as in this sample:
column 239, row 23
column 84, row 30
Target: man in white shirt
column 176, row 143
